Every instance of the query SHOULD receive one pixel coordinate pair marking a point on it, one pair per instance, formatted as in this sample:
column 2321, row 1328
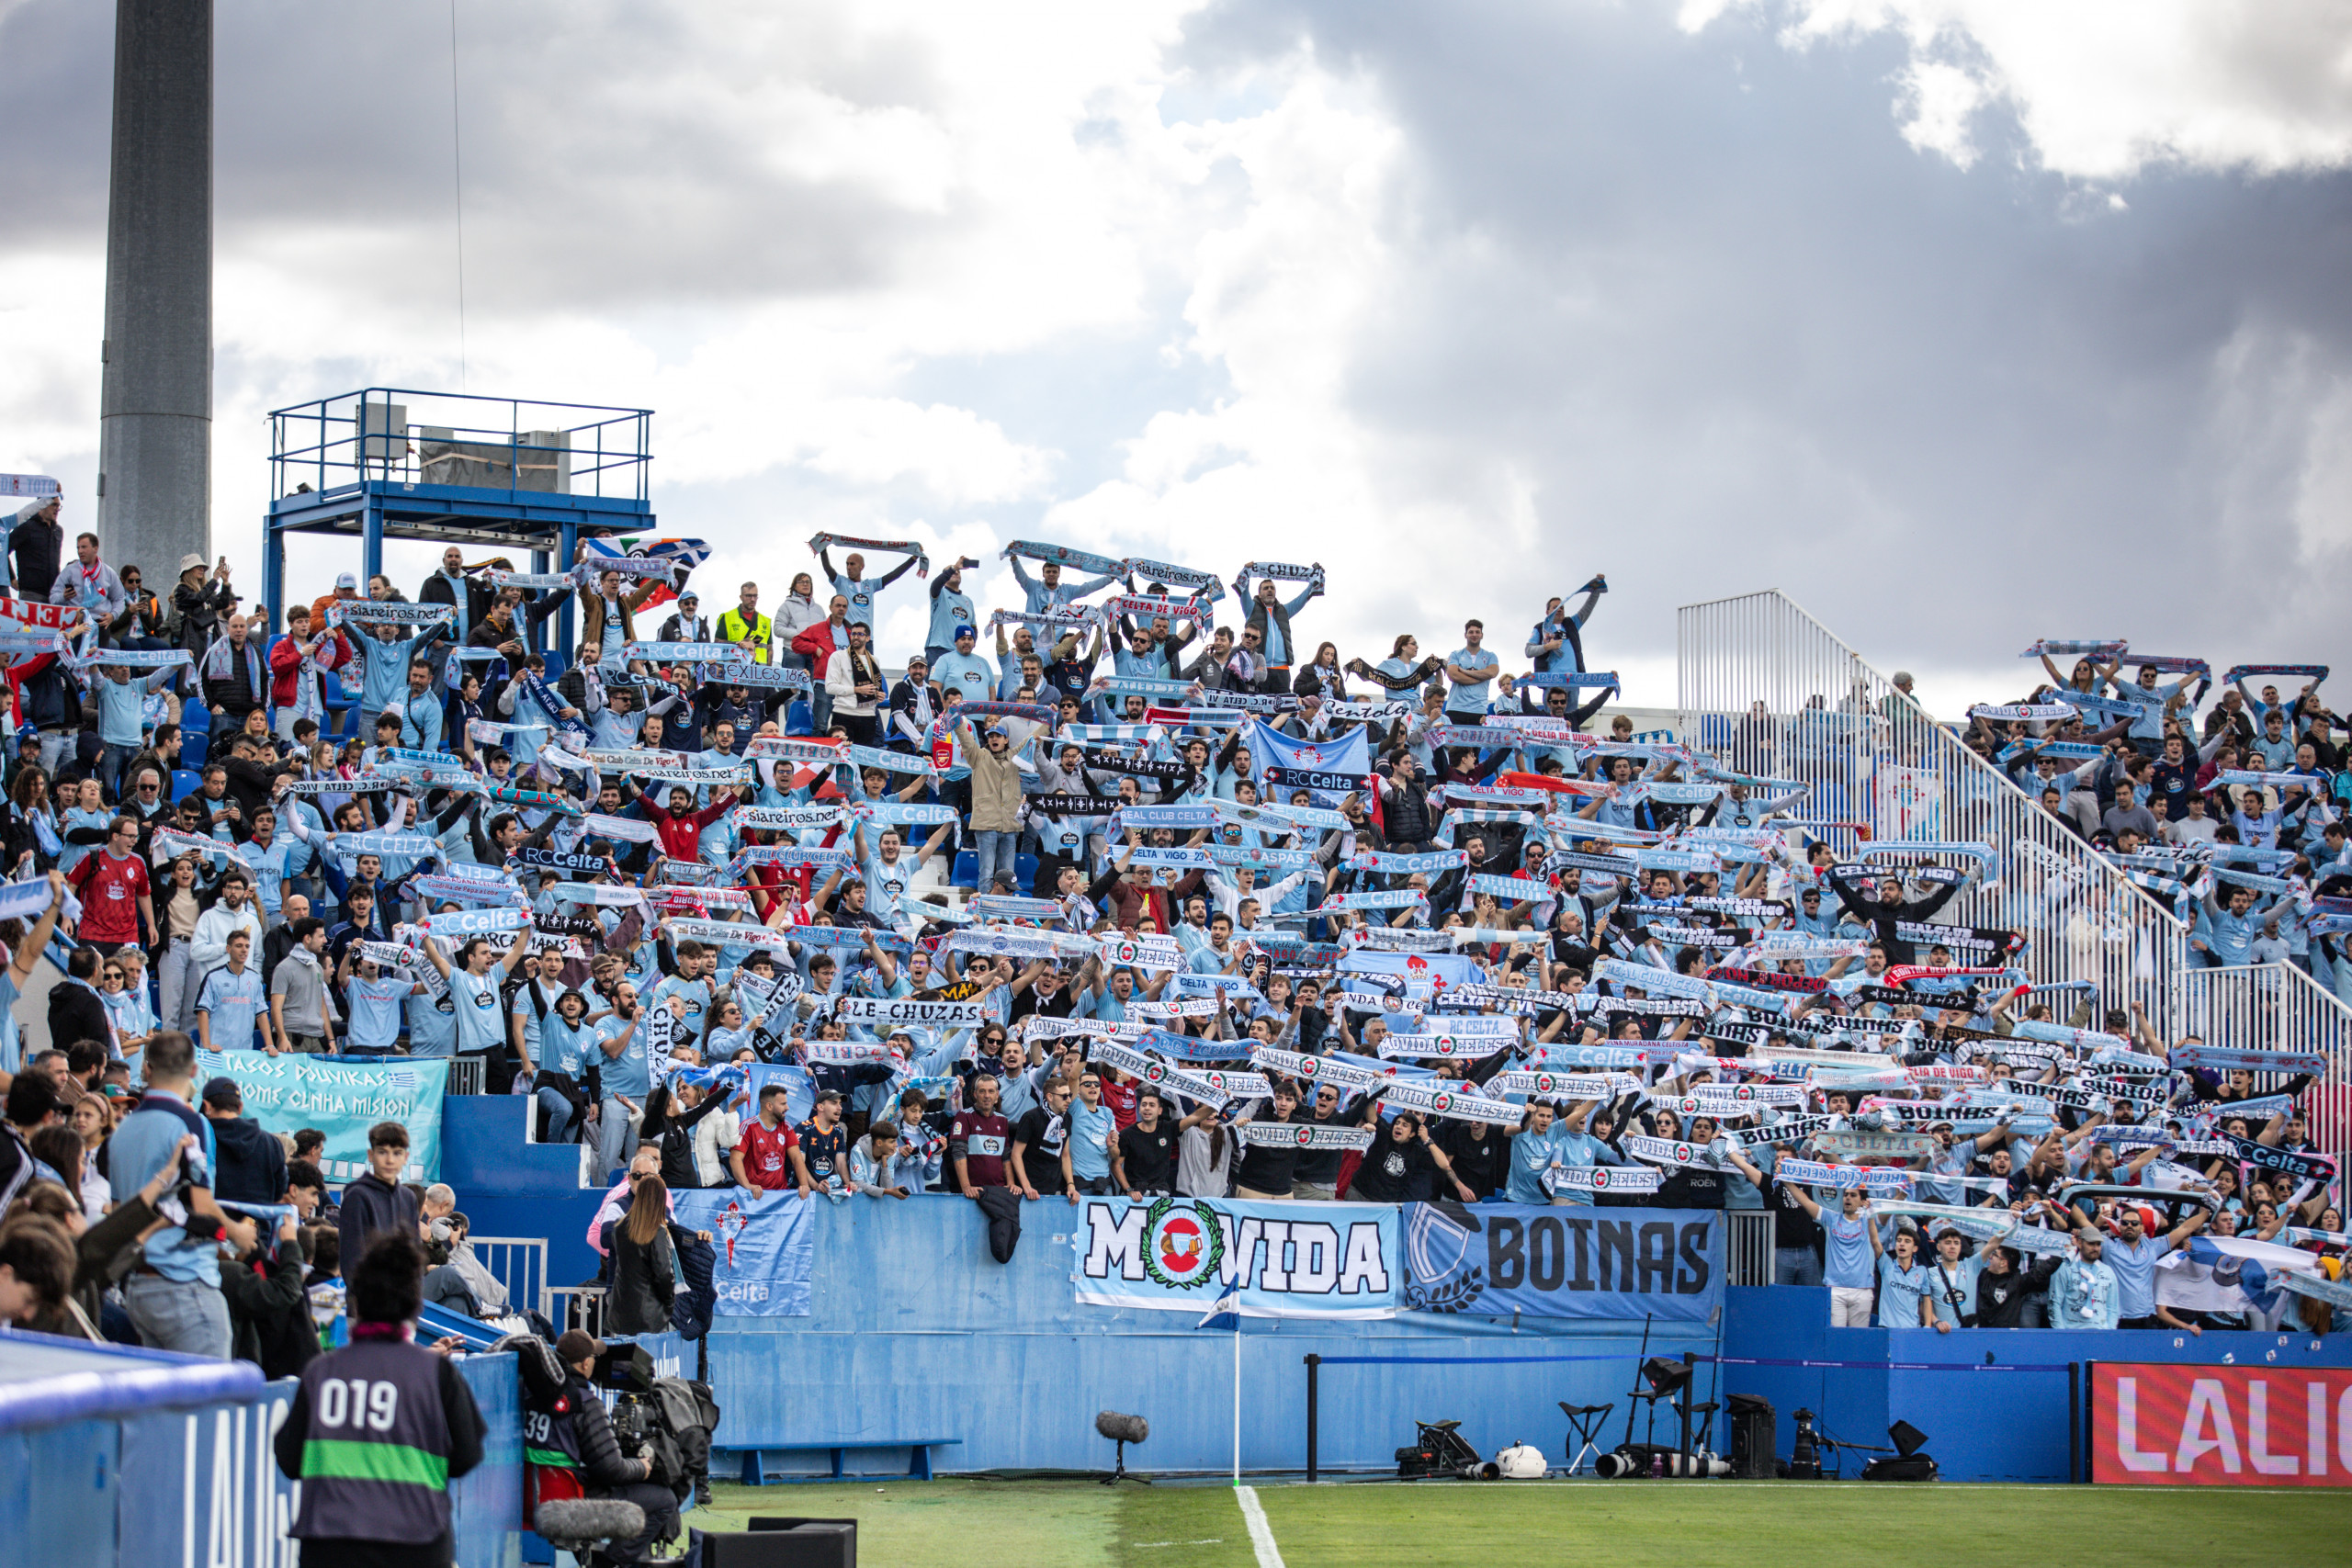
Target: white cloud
column 2105, row 87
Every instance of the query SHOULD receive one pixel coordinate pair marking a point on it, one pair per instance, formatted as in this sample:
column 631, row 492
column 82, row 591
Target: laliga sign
column 2221, row 1425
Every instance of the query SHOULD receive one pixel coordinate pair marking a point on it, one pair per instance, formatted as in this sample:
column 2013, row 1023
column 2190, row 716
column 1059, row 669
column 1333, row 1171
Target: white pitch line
column 1262, row 1534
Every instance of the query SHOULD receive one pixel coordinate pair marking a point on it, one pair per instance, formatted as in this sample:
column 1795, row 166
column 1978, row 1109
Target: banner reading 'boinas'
column 1563, row 1261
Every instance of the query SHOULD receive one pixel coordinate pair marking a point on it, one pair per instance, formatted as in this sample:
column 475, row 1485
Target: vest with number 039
column 376, row 1446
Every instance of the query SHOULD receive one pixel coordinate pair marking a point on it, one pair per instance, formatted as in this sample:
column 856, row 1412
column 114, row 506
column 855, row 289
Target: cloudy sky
column 1963, row 322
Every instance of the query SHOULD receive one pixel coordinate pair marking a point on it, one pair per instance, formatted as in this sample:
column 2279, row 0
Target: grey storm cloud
column 1743, row 334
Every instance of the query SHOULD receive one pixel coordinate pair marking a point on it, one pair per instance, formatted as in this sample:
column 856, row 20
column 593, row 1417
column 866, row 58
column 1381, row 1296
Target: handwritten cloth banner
column 291, row 1091
column 906, row 1011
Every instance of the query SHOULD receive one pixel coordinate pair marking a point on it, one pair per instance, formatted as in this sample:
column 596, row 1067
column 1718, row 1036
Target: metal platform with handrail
column 451, row 467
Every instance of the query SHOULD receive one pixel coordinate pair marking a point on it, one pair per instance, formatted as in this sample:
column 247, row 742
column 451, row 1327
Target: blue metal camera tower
column 480, row 473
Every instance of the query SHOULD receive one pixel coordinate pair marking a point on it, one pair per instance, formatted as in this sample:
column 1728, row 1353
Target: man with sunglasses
column 2131, row 1256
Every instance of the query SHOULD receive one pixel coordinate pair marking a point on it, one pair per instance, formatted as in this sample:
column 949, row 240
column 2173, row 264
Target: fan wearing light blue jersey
column 373, row 999
column 951, row 609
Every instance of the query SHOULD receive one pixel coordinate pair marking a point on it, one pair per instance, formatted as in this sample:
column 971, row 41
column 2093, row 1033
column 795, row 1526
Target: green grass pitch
column 1634, row 1524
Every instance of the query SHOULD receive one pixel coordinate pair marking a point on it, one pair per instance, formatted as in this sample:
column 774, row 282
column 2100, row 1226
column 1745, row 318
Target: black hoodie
column 251, row 1164
column 2000, row 1298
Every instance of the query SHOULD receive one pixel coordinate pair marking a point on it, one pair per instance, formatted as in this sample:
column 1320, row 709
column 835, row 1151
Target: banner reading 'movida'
column 1292, row 1259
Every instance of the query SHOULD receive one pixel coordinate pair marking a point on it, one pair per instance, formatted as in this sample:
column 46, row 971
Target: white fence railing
column 577, row 1306
column 2269, row 1007
column 1772, row 691
column 518, row 1263
column 1748, row 1247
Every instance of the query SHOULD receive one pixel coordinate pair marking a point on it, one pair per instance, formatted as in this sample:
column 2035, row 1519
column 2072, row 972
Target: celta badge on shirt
column 984, row 1143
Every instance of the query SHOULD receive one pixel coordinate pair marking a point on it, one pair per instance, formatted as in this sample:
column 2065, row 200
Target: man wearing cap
column 914, row 703
column 996, row 802
column 249, row 1165
column 2133, row 1258
column 689, row 624
column 964, row 670
column 346, row 589
column 570, row 1431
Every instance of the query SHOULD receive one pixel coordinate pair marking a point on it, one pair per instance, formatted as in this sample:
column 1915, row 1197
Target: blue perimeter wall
column 200, row 1485
column 1984, row 1422
column 917, row 1331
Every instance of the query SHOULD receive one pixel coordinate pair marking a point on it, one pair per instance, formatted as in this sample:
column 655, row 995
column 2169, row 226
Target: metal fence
column 2269, row 1007
column 521, row 1265
column 1748, row 1247
column 467, row 1074
column 577, row 1306
column 1770, row 690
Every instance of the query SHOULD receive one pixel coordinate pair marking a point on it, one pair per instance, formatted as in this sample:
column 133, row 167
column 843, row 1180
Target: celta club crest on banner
column 728, row 1223
column 1183, row 1243
column 1909, row 801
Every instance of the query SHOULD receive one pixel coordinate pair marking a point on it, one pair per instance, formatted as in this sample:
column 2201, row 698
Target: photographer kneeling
column 578, row 1436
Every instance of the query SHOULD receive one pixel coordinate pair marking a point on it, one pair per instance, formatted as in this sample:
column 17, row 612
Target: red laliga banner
column 2208, row 1425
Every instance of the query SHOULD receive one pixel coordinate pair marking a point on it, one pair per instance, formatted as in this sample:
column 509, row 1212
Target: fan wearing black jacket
column 269, row 1311
column 668, row 1123
column 2002, row 1290
column 1890, row 907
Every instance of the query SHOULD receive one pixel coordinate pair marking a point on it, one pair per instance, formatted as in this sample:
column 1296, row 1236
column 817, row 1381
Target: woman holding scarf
column 199, row 602
column 1327, row 670
column 29, row 827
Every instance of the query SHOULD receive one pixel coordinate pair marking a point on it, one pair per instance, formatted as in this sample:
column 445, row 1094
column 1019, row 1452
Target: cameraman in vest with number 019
column 380, row 1428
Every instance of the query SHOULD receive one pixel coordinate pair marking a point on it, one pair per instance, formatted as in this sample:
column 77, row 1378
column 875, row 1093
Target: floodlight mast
column 155, row 398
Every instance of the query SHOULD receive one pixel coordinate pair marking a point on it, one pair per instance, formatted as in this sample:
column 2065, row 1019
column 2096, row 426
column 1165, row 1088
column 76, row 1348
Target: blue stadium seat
column 967, row 869
column 340, row 703
column 184, row 782
column 797, row 720
column 196, row 731
column 1025, row 871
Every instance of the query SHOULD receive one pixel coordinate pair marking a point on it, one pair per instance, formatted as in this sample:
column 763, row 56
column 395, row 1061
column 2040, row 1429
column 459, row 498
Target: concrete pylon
column 156, row 405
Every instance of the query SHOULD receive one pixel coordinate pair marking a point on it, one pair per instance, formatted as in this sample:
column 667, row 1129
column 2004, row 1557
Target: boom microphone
column 577, row 1524
column 1122, row 1428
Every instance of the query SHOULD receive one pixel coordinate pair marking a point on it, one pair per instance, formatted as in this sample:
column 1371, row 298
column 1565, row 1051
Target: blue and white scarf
column 535, row 686
column 1063, row 555
column 1279, row 573
column 1205, row 582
